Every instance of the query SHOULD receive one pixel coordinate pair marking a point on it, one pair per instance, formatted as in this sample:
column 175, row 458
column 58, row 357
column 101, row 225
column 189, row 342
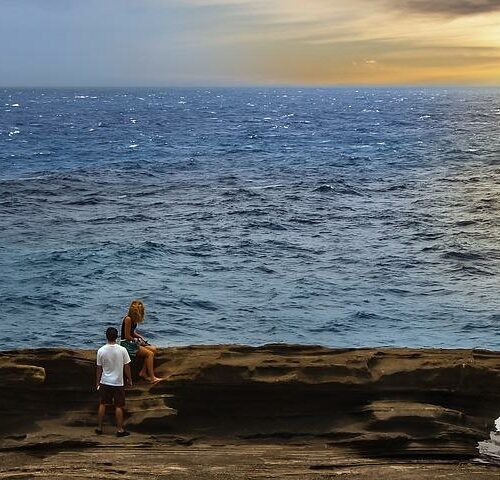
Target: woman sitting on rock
column 135, row 343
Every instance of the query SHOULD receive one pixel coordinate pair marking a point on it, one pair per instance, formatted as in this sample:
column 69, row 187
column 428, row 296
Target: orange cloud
column 376, row 41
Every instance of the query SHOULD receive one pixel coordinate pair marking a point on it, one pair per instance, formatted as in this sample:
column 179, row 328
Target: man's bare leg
column 119, row 418
column 100, row 415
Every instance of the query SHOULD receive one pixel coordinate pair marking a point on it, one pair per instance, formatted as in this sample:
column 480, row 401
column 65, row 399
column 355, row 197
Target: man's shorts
column 112, row 395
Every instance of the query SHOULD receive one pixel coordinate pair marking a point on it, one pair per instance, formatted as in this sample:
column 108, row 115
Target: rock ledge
column 378, row 402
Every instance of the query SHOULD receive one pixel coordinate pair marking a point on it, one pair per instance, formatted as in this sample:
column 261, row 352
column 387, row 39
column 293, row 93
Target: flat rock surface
column 221, row 461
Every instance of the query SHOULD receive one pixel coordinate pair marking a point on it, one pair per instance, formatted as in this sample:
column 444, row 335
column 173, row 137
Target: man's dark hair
column 111, row 334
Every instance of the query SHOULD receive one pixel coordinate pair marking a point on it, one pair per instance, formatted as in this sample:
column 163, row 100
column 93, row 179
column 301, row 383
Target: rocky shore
column 264, row 412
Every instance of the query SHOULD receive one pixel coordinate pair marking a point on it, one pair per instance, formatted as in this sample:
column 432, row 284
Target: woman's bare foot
column 150, row 379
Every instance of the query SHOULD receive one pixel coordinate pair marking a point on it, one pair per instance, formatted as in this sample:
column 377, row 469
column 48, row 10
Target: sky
column 249, row 42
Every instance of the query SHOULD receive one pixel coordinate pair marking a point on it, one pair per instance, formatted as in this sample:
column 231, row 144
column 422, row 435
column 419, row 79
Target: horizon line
column 277, row 85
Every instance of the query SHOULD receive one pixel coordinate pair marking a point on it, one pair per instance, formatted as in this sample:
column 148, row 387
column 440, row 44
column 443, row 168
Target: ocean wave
column 82, row 202
column 286, row 245
column 269, row 187
column 75, row 256
column 338, row 188
column 240, row 192
column 473, row 270
column 143, row 250
column 120, row 219
column 465, row 223
column 265, row 269
column 493, row 327
column 306, row 221
column 199, row 304
column 394, row 188
column 462, row 255
column 251, row 211
column 42, row 301
column 203, row 250
column 267, row 225
column 331, row 327
column 362, row 315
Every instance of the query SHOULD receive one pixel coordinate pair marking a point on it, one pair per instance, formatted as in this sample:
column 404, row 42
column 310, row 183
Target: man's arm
column 98, row 375
column 128, row 374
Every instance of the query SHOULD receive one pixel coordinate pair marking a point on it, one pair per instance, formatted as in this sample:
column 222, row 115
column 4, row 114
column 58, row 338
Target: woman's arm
column 128, row 326
column 138, row 335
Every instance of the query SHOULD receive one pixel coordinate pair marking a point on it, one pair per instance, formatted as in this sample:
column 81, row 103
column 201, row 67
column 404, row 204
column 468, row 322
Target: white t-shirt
column 112, row 358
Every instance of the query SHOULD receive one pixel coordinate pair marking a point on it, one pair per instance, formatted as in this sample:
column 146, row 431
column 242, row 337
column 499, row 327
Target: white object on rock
column 489, row 450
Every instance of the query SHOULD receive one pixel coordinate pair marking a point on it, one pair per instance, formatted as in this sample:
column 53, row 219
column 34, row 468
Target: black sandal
column 124, row 433
column 98, row 431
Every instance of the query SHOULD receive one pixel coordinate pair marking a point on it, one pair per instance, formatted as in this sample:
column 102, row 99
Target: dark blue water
column 333, row 216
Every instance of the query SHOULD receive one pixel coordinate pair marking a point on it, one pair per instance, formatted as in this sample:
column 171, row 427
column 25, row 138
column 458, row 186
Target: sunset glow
column 329, row 42
column 242, row 42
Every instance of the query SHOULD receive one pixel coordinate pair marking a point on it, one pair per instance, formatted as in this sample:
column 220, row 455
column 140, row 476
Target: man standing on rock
column 112, row 361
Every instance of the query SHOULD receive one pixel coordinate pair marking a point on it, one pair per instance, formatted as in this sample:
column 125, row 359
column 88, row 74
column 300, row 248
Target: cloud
column 447, row 7
column 161, row 42
column 453, row 8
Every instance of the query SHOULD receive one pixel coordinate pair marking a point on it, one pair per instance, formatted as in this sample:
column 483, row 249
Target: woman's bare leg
column 147, row 370
column 143, row 372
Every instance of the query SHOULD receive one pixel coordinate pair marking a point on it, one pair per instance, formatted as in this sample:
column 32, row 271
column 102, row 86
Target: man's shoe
column 123, row 433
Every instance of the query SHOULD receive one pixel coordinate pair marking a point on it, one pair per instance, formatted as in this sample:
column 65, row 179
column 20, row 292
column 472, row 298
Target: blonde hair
column 136, row 311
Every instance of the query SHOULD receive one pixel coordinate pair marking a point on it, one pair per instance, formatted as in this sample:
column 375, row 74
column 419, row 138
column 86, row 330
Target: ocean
column 340, row 217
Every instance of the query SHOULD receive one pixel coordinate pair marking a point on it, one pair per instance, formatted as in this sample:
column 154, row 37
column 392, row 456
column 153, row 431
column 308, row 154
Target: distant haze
column 243, row 42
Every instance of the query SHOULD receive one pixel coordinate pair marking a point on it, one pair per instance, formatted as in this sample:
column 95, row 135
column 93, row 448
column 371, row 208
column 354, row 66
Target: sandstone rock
column 22, row 376
column 393, row 402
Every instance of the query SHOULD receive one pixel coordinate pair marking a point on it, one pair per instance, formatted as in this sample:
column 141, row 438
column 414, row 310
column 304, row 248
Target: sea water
column 341, row 217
